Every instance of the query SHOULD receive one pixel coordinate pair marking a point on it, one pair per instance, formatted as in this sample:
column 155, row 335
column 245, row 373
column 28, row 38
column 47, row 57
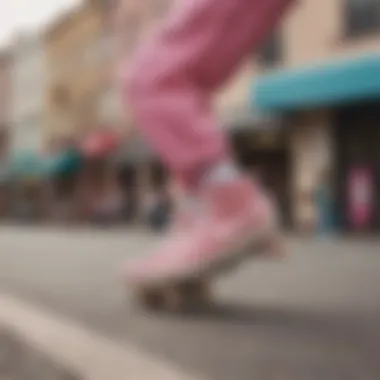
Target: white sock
column 223, row 172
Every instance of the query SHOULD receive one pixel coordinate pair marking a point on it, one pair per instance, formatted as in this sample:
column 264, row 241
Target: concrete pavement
column 36, row 345
column 316, row 316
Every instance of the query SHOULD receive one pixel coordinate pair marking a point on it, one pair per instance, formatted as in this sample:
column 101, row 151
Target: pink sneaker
column 153, row 267
column 235, row 217
column 185, row 215
column 238, row 221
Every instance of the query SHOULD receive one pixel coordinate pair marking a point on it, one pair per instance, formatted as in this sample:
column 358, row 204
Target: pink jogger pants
column 173, row 75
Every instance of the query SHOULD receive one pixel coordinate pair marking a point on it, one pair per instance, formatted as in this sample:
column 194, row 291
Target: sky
column 28, row 15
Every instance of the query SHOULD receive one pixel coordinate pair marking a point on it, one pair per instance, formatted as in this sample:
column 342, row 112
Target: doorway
column 358, row 146
column 270, row 163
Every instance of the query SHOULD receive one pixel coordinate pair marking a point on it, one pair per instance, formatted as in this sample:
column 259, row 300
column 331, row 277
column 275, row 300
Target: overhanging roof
column 335, row 83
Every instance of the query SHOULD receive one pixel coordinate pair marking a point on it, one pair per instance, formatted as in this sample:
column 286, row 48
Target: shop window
column 271, row 52
column 361, row 17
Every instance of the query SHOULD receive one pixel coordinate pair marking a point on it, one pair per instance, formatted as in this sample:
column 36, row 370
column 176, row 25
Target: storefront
column 26, row 183
column 63, row 173
column 333, row 112
column 265, row 155
column 142, row 175
column 98, row 180
column 358, row 166
column 261, row 146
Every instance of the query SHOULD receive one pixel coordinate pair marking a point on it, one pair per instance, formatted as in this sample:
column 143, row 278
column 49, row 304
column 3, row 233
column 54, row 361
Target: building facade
column 27, row 86
column 328, row 90
column 78, row 67
column 5, row 101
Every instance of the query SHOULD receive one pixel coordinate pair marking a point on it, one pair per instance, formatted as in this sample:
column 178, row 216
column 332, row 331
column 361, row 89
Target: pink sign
column 360, row 196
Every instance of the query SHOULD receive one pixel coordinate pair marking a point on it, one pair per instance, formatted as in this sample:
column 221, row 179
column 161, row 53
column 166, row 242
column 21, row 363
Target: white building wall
column 28, row 81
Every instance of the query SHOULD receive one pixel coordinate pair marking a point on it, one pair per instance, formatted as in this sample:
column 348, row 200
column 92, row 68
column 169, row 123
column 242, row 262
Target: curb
column 37, row 342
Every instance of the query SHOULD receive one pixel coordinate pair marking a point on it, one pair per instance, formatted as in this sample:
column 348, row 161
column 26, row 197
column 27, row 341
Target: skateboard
column 176, row 297
column 196, row 293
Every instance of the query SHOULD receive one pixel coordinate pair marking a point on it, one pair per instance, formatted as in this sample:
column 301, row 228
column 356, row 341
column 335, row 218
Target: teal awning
column 335, row 83
column 65, row 162
column 27, row 165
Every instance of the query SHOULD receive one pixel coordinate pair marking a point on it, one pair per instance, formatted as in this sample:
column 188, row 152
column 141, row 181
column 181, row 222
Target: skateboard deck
column 196, row 293
column 176, row 297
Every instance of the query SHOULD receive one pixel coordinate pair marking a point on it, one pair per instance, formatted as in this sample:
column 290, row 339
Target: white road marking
column 92, row 356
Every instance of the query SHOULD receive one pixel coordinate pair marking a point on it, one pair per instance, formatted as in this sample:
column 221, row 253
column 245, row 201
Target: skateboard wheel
column 201, row 291
column 150, row 299
column 196, row 294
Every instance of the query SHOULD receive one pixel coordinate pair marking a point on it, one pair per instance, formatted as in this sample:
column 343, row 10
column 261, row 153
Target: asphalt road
column 315, row 316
